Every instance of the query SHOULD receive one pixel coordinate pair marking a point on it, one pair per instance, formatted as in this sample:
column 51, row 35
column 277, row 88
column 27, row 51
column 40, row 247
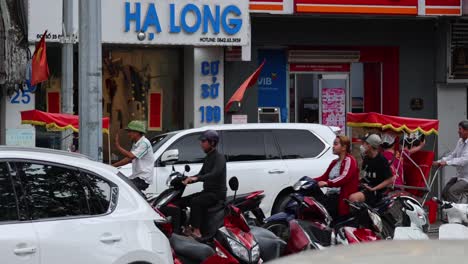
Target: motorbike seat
column 190, row 248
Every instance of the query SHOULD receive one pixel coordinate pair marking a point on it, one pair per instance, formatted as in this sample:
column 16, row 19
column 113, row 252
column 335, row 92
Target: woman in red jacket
column 341, row 178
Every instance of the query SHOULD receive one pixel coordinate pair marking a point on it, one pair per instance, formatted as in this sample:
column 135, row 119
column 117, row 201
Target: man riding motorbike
column 213, row 176
column 377, row 174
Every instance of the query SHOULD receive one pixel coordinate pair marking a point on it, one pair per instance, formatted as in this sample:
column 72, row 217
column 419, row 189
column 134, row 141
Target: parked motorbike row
column 236, row 231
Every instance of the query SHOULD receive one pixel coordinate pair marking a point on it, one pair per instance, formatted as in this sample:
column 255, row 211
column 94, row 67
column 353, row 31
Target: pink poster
column 334, row 107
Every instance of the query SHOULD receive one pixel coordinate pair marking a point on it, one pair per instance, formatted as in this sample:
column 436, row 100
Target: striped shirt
column 143, row 163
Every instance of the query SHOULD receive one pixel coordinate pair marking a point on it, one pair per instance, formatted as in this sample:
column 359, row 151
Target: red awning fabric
column 56, row 122
column 395, row 123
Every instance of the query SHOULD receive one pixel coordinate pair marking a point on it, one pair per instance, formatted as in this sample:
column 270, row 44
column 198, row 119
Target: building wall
column 416, row 39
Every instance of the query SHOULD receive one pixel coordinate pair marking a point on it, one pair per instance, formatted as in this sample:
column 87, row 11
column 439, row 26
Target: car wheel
column 280, row 228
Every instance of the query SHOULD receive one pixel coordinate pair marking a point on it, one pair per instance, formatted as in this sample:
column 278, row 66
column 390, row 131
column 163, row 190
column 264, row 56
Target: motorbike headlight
column 238, row 249
column 255, row 254
column 376, row 220
column 297, row 186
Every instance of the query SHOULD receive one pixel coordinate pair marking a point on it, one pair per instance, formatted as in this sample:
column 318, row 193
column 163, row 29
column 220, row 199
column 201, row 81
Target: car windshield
column 158, row 141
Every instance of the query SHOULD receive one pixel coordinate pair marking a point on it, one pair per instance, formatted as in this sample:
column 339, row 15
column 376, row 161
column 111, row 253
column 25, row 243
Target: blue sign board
column 272, row 82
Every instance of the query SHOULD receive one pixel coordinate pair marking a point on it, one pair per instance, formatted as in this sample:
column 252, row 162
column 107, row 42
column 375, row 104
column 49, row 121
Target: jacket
column 213, row 174
column 348, row 181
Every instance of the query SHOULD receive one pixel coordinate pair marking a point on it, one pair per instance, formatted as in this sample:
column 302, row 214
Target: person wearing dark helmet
column 213, row 176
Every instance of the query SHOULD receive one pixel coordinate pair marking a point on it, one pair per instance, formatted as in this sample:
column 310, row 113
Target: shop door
column 334, row 100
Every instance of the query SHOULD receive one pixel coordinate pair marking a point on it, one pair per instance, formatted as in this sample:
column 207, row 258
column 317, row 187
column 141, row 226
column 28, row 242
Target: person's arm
column 383, row 184
column 452, row 154
column 346, row 174
column 325, row 176
column 126, row 153
column 122, row 162
column 418, row 148
column 460, row 161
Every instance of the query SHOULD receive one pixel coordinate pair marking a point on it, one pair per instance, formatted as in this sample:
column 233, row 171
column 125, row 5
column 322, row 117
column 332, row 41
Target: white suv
column 58, row 207
column 269, row 157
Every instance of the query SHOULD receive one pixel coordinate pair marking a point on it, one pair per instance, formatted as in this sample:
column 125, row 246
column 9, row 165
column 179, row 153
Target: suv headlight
column 238, row 249
column 376, row 220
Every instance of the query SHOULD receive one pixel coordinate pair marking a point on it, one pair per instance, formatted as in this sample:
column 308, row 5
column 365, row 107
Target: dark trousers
column 140, row 184
column 199, row 203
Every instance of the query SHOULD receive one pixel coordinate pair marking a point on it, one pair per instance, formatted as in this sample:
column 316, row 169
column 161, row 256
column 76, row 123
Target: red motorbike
column 227, row 237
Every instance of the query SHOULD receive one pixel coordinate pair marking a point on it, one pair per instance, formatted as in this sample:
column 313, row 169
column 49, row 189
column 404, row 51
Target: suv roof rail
column 43, row 150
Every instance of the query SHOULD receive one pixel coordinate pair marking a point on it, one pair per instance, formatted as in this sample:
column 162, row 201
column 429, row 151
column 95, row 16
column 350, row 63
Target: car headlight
column 255, row 254
column 376, row 220
column 238, row 249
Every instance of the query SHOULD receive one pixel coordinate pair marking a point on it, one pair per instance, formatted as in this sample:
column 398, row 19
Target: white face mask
column 363, row 150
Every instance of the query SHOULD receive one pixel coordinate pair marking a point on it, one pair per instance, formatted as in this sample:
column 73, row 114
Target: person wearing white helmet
column 376, row 172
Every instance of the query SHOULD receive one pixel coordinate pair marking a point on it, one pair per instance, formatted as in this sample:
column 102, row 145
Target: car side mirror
column 170, row 156
column 234, row 183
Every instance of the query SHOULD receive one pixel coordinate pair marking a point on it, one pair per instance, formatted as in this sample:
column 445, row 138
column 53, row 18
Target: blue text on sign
column 227, row 18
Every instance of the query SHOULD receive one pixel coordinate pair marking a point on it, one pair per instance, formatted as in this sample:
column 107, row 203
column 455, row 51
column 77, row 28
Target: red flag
column 40, row 68
column 239, row 94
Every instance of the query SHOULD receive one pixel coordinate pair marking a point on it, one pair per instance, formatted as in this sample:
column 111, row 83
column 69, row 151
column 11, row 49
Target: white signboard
column 23, row 137
column 208, row 86
column 177, row 22
column 239, row 119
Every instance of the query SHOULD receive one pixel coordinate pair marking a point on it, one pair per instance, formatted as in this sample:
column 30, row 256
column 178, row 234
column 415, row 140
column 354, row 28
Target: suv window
column 8, row 205
column 244, row 145
column 53, row 191
column 298, row 144
column 189, row 149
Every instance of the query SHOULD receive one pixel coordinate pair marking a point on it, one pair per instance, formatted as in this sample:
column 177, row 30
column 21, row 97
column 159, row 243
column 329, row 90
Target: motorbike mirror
column 187, row 168
column 234, row 183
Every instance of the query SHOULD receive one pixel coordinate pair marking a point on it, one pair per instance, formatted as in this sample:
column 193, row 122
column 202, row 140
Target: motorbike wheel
column 387, row 230
column 280, row 228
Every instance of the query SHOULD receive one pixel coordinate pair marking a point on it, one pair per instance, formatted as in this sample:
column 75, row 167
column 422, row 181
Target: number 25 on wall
column 21, row 96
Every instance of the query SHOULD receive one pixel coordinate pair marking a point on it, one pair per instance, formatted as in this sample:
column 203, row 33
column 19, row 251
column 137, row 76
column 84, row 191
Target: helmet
column 136, row 125
column 211, row 136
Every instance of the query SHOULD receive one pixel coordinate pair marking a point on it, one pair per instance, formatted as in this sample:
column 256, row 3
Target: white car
column 268, row 157
column 59, row 207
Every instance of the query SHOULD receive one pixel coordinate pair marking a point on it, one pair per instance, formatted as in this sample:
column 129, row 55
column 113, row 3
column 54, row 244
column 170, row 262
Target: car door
column 72, row 221
column 254, row 158
column 303, row 153
column 190, row 153
column 18, row 241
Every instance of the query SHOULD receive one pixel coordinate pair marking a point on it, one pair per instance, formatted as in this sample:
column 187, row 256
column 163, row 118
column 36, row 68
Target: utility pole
column 90, row 79
column 67, row 68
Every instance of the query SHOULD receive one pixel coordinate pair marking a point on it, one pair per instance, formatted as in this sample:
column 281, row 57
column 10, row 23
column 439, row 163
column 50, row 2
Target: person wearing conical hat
column 141, row 155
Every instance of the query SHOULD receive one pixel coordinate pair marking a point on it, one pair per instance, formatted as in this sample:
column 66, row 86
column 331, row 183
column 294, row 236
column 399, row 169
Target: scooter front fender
column 280, row 217
column 409, row 233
